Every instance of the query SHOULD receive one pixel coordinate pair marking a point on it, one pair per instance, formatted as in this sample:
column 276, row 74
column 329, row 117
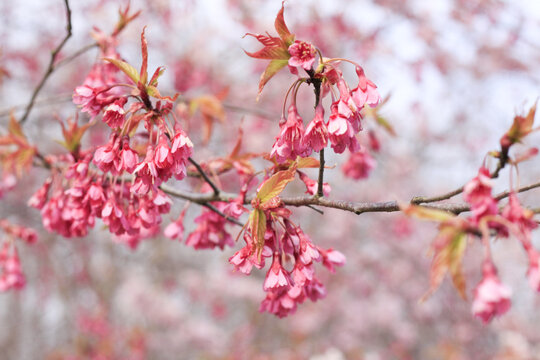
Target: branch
column 220, row 213
column 205, row 177
column 51, row 66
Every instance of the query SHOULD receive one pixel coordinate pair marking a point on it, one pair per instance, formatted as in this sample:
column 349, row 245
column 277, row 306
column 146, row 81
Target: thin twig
column 205, row 176
column 51, row 66
column 320, row 192
column 424, row 200
column 76, row 54
column 217, row 211
column 505, row 194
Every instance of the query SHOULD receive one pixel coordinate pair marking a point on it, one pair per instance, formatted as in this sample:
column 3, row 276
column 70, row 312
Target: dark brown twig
column 205, row 176
column 51, row 66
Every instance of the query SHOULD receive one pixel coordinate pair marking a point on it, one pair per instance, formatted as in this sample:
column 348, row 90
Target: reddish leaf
column 154, row 80
column 521, row 127
column 144, row 65
column 15, row 129
column 270, row 53
column 448, row 247
column 282, row 29
column 267, row 40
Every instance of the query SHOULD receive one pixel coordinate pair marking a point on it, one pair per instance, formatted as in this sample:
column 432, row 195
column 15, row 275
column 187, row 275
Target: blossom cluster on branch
column 122, row 180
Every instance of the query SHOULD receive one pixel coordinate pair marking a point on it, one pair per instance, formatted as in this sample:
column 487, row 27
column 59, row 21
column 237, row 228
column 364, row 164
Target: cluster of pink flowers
column 344, row 122
column 291, row 279
column 71, row 208
column 11, row 274
column 210, row 231
column 99, row 88
column 359, row 165
column 477, row 192
column 93, row 183
column 491, row 297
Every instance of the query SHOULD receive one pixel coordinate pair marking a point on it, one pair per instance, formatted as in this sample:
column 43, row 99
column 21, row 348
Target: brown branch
column 422, row 200
column 220, row 213
column 76, row 54
column 505, row 194
column 205, row 177
column 51, row 66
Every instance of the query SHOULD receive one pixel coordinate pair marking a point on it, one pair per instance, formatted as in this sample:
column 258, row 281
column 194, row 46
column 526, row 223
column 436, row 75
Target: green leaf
column 273, row 186
column 126, row 68
column 273, row 67
column 307, row 162
column 257, row 226
column 425, row 213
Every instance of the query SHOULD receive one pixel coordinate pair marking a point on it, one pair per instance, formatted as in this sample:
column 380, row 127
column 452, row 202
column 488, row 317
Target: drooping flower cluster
column 477, row 192
column 11, row 274
column 92, row 183
column 342, row 127
column 70, row 202
column 359, row 164
column 291, row 279
column 491, row 297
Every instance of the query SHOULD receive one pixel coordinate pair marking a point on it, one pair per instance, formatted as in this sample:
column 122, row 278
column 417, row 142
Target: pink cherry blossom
column 341, row 133
column 276, row 277
column 477, row 192
column 316, row 136
column 359, row 164
column 366, row 91
column 312, row 185
column 491, row 297
column 302, row 54
column 175, row 230
column 290, row 142
column 114, row 114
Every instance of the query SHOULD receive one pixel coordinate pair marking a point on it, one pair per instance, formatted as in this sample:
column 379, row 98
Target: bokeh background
column 456, row 72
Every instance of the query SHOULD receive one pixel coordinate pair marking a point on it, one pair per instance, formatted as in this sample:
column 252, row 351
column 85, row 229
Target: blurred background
column 456, row 73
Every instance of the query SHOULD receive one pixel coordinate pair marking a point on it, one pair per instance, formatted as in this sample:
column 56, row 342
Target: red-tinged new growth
column 491, row 297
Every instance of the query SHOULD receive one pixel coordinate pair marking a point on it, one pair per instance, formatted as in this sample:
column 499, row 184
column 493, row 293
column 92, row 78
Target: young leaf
column 15, row 129
column 273, row 67
column 257, row 227
column 307, row 162
column 126, row 68
column 154, row 80
column 449, row 247
column 425, row 213
column 273, row 186
column 144, row 65
column 282, row 29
